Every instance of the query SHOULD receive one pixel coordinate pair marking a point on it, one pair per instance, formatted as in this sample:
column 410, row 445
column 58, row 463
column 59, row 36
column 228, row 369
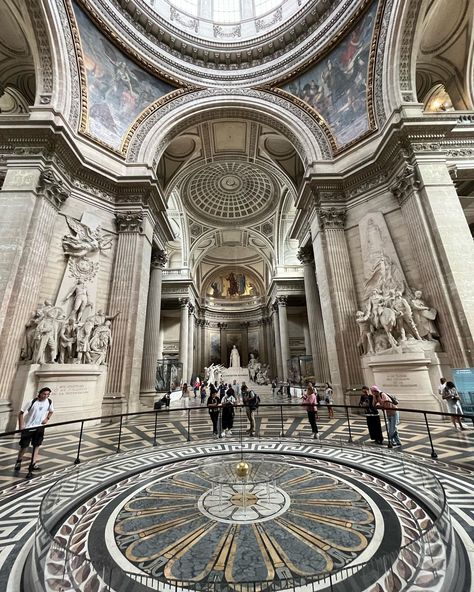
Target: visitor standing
column 328, row 399
column 371, row 415
column 34, row 415
column 203, row 393
column 389, row 404
column 228, row 403
column 185, row 395
column 453, row 401
column 251, row 402
column 310, row 402
column 213, row 406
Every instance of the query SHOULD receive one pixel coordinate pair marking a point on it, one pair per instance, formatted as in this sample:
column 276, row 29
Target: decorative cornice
column 52, row 189
column 332, row 218
column 131, row 222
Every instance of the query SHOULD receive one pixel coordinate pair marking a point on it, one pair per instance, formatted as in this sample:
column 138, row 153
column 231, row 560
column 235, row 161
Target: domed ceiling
column 224, row 42
column 225, row 192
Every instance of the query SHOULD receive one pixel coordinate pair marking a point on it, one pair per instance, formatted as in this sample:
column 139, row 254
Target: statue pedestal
column 413, row 376
column 238, row 374
column 77, row 390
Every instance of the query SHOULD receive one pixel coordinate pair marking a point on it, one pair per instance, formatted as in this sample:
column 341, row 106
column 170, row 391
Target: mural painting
column 336, row 87
column 118, row 90
column 231, row 284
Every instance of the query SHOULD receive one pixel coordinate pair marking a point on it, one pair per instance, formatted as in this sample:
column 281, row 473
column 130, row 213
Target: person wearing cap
column 385, row 401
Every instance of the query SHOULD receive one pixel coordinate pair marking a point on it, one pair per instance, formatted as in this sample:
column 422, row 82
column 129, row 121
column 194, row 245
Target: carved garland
column 42, row 42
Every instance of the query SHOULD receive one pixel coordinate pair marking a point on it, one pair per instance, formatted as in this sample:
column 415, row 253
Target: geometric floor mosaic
column 20, row 499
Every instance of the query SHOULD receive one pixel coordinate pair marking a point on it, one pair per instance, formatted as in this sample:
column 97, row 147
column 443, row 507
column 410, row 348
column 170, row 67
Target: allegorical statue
column 366, row 340
column 67, row 340
column 85, row 240
column 424, row 317
column 45, row 347
column 81, row 299
column 100, row 342
column 234, row 358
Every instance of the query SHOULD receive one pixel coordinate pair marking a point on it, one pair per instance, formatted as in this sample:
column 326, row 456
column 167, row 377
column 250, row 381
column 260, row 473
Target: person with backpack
column 214, row 406
column 32, row 418
column 251, row 402
column 453, row 401
column 389, row 403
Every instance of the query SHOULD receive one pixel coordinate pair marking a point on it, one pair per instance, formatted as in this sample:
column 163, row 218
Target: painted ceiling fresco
column 118, row 89
column 232, row 284
column 336, row 87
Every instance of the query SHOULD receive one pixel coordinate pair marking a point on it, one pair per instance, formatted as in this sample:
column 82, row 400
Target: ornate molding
column 52, row 189
column 332, row 218
column 281, row 301
column 129, row 222
column 405, row 183
column 183, row 302
column 305, row 254
column 159, row 258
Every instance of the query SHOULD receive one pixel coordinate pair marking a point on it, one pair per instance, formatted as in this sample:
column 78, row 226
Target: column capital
column 405, row 183
column 52, row 188
column 281, row 300
column 332, row 218
column 183, row 302
column 129, row 221
column 191, row 309
column 159, row 258
column 305, row 254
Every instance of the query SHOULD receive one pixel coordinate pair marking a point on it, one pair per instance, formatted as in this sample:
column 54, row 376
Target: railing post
column 78, row 460
column 433, row 453
column 189, row 425
column 156, row 423
column 349, row 425
column 120, row 434
column 389, row 445
column 281, row 419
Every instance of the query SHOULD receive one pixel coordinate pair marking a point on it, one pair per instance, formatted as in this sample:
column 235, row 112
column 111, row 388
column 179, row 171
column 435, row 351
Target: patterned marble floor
column 20, row 499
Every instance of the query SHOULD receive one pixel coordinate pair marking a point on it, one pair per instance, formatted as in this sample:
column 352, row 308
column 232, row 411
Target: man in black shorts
column 31, row 421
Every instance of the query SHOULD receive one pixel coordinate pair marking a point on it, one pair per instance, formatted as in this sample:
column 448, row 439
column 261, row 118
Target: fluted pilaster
column 315, row 316
column 442, row 244
column 129, row 295
column 191, row 331
column 338, row 298
column 284, row 340
column 183, row 336
column 30, row 213
column 276, row 330
column 151, row 349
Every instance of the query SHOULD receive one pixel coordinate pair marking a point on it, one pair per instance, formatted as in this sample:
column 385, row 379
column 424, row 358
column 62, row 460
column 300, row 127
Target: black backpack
column 34, row 401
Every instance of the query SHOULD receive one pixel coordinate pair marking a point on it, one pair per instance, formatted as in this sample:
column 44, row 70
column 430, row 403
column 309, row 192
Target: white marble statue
column 366, row 341
column 234, row 358
column 101, row 341
column 404, row 316
column 45, row 348
column 67, row 340
column 83, row 347
column 85, row 240
column 424, row 317
column 81, row 299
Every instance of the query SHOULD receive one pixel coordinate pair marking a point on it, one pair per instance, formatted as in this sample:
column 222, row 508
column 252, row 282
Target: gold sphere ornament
column 242, row 469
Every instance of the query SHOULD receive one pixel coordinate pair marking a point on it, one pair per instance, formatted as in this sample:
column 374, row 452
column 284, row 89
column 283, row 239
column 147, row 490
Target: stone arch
column 153, row 131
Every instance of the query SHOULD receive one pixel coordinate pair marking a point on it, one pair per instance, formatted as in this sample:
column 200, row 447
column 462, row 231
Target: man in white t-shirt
column 32, row 418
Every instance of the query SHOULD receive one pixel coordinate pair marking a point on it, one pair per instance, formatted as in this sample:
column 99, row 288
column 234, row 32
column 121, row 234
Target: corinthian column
column 129, row 295
column 338, row 297
column 315, row 316
column 151, row 349
column 29, row 202
column 191, row 330
column 442, row 243
column 276, row 331
column 284, row 341
column 183, row 336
